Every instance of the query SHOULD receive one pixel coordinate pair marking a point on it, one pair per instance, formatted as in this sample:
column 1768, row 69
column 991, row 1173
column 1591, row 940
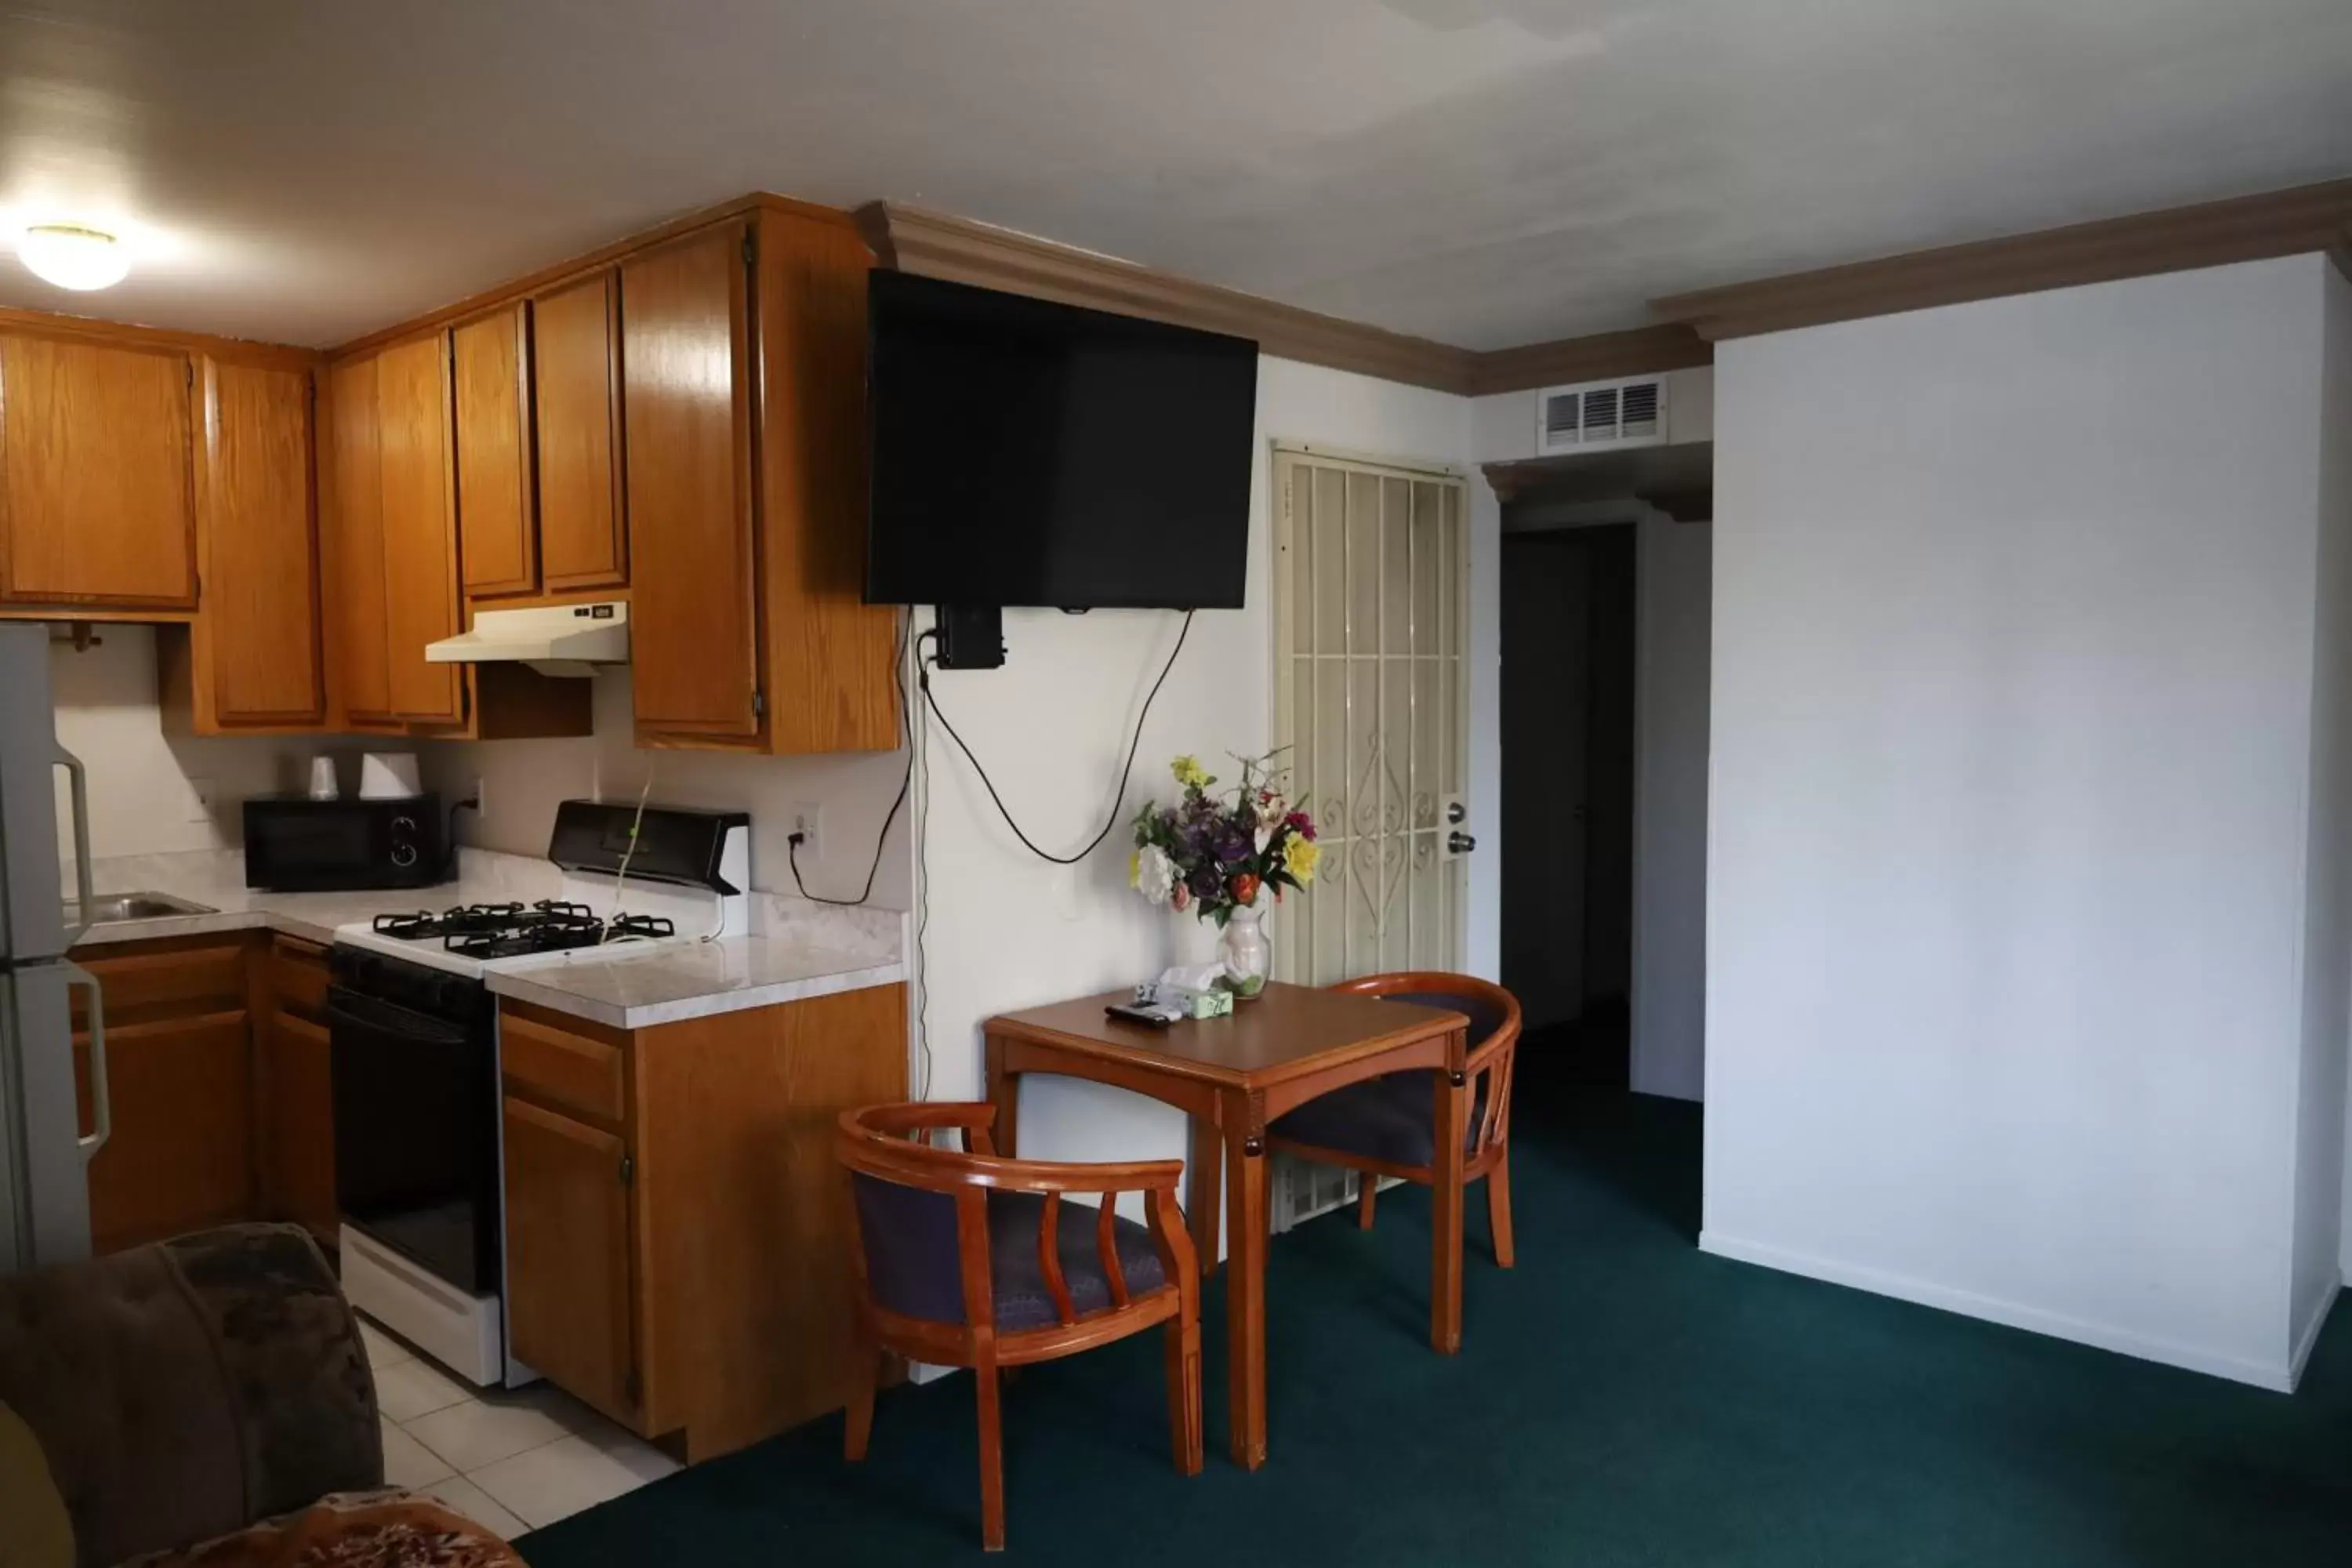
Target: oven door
column 417, row 1162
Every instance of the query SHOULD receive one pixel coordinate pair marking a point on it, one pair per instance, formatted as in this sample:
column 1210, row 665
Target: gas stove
column 518, row 930
column 656, row 874
column 478, row 939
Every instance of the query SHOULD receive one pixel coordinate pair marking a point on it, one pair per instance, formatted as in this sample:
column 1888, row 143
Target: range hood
column 554, row 639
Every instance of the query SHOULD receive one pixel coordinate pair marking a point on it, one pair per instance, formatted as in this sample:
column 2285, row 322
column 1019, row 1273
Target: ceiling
column 1486, row 172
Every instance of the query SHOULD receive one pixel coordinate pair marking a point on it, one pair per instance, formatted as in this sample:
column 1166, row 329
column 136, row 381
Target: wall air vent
column 1600, row 416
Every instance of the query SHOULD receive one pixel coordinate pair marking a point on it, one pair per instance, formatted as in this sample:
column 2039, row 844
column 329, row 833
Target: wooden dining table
column 1232, row 1075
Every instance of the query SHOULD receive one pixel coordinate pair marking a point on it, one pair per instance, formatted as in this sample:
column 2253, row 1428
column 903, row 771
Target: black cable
column 905, row 723
column 923, row 676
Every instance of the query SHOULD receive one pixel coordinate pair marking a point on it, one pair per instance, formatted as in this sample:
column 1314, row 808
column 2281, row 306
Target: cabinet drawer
column 569, row 1068
column 297, row 977
column 202, row 976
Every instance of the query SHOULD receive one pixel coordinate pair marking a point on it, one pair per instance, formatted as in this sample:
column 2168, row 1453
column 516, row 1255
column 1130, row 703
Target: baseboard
column 2011, row 1314
column 2310, row 1337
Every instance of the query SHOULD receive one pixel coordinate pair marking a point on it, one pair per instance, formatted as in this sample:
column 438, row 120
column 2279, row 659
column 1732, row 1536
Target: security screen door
column 1369, row 583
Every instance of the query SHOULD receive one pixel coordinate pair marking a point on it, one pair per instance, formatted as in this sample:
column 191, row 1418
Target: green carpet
column 1621, row 1398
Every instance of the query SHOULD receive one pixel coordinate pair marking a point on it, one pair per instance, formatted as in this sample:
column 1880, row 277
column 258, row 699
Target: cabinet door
column 301, row 1112
column 568, row 1261
column 575, row 384
column 496, row 543
column 259, row 622
column 182, row 1155
column 364, row 672
column 687, row 410
column 420, row 535
column 96, row 503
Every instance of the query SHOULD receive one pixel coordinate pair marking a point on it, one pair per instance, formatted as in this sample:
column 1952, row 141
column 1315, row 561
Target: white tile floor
column 510, row 1459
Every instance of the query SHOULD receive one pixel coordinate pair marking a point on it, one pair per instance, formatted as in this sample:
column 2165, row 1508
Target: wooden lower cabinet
column 181, row 1156
column 568, row 1236
column 299, row 1182
column 219, row 1080
column 683, row 1265
column 296, row 1088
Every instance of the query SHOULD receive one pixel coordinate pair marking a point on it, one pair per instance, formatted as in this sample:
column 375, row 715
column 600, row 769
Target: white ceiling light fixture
column 73, row 256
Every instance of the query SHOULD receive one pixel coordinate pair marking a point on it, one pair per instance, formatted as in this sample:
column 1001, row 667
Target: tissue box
column 1195, row 1003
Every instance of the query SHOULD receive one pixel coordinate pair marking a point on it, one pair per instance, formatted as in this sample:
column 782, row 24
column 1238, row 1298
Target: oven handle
column 360, row 1011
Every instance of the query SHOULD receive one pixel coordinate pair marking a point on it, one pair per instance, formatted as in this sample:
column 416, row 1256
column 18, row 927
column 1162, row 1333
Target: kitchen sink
column 115, row 907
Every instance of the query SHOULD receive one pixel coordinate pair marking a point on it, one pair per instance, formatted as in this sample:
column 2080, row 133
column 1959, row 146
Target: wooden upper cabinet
column 420, row 535
column 685, row 357
column 363, row 668
column 258, row 634
column 497, row 538
column 575, row 389
column 831, row 656
column 96, row 474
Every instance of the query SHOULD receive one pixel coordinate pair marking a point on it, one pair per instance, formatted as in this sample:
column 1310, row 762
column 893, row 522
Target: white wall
column 2336, row 524
column 1005, row 929
column 2012, row 721
column 522, row 781
column 2319, row 1165
column 144, row 784
column 1673, row 583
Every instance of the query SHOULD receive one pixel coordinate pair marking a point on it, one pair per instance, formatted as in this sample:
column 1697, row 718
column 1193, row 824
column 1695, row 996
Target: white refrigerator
column 44, row 1153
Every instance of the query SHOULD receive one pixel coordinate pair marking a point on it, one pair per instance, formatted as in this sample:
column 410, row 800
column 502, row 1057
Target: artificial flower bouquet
column 1215, row 853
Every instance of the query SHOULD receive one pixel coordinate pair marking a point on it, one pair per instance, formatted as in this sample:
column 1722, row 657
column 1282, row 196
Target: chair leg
column 1498, row 1208
column 1368, row 1188
column 1185, row 1392
column 866, row 1359
column 991, row 1457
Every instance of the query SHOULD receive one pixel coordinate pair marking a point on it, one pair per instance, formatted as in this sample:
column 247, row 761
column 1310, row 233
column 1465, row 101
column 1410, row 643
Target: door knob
column 1460, row 843
column 1455, row 811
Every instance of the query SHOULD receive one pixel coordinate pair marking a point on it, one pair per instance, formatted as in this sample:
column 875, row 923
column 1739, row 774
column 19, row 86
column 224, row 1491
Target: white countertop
column 665, row 983
column 625, row 988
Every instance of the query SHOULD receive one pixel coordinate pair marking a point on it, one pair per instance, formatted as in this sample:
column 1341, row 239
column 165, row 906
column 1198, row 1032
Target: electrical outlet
column 200, row 800
column 808, row 821
column 481, row 797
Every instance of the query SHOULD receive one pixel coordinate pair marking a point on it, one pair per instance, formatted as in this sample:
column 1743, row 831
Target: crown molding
column 548, row 278
column 2211, row 234
column 1642, row 351
column 960, row 251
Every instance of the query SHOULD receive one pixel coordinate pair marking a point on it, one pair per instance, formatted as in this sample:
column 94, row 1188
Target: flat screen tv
column 1029, row 453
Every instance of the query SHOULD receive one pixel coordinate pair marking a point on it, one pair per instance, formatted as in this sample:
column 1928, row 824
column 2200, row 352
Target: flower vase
column 1248, row 956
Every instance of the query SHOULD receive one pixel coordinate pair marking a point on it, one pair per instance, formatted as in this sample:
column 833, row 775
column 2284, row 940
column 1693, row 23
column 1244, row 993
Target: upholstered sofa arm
column 185, row 1390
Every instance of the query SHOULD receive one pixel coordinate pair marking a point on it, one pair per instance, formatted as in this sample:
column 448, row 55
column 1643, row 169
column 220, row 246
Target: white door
column 1370, row 571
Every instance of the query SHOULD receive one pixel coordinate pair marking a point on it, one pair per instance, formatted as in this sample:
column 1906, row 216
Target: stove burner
column 642, row 928
column 511, row 930
column 464, row 917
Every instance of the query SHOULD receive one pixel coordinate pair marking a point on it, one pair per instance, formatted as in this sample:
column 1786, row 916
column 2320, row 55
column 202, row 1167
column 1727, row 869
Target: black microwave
column 296, row 845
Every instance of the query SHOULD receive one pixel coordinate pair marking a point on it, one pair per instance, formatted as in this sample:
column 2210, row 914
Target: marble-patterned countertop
column 663, row 984
column 797, row 950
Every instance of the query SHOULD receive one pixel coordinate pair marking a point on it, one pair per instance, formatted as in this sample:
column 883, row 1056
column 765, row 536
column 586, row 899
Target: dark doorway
column 1567, row 793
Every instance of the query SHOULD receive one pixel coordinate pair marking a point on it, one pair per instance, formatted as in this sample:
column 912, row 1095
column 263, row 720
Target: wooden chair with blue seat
column 1386, row 1126
column 963, row 1259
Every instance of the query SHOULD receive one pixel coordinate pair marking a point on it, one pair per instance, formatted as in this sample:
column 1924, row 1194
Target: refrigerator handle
column 102, row 1102
column 78, row 779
